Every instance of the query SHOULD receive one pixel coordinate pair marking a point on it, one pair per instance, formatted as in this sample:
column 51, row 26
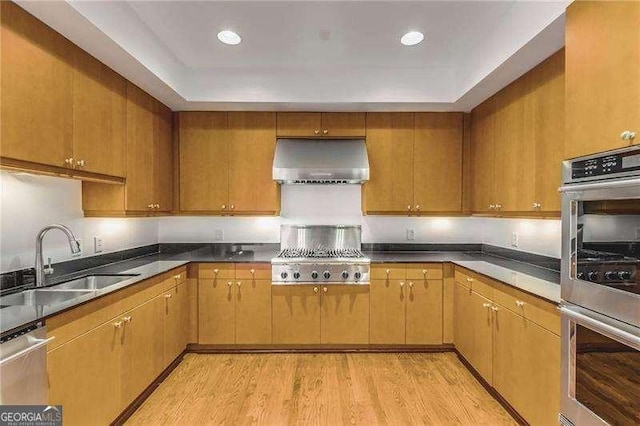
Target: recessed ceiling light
column 229, row 37
column 412, row 38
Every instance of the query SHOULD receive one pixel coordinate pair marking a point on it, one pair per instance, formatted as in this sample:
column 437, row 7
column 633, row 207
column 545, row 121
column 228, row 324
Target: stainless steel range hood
column 313, row 161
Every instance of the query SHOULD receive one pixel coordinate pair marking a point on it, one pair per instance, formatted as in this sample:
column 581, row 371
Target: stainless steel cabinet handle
column 215, row 271
column 229, row 284
column 150, row 206
column 486, row 305
column 424, row 272
column 127, row 319
column 224, row 207
column 233, row 207
column 498, row 206
column 253, row 271
column 410, row 284
column 492, row 207
column 239, row 283
column 167, row 296
column 627, row 135
column 315, row 289
column 494, row 309
column 388, row 271
column 409, row 207
column 519, row 303
column 68, row 161
column 325, row 132
column 401, row 284
column 418, row 207
column 469, row 280
column 80, row 163
column 325, row 289
column 117, row 324
column 316, row 132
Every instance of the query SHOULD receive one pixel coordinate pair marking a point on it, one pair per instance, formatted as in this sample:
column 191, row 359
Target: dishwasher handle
column 36, row 344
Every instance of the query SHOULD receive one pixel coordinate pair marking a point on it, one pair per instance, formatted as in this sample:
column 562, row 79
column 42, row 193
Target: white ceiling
column 341, row 55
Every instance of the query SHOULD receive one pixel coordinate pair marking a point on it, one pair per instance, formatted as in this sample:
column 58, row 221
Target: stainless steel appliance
column 313, row 161
column 328, row 254
column 23, row 368
column 601, row 289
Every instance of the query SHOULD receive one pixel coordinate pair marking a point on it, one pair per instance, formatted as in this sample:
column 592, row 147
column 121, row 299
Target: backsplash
column 30, row 202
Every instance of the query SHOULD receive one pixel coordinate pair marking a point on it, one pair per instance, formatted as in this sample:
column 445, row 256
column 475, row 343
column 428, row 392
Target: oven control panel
column 607, row 164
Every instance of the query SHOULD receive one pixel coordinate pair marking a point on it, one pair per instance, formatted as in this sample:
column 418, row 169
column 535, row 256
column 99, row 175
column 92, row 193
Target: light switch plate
column 514, row 239
column 411, row 234
column 97, row 244
column 218, row 235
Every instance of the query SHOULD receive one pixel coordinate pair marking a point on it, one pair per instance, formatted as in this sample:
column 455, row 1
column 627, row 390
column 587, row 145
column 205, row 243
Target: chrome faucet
column 74, row 244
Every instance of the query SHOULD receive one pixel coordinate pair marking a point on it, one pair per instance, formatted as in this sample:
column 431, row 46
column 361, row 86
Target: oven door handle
column 622, row 336
column 616, row 183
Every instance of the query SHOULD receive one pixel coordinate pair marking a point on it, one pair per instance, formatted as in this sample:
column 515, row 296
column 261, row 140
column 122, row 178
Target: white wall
column 342, row 205
column 30, row 202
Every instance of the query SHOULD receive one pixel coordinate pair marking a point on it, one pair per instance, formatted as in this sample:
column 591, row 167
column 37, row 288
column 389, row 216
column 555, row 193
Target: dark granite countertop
column 533, row 279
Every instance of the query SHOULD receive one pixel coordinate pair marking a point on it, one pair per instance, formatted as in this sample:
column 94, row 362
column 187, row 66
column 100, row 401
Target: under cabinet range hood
column 313, row 161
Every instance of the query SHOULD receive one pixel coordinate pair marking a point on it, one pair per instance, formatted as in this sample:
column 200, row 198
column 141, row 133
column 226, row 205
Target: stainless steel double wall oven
column 601, row 289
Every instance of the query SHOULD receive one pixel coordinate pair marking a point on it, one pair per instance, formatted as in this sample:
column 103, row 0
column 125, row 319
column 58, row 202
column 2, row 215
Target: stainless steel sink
column 41, row 297
column 93, row 282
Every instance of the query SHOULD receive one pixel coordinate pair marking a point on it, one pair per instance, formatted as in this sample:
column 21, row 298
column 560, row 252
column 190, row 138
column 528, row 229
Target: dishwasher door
column 23, row 369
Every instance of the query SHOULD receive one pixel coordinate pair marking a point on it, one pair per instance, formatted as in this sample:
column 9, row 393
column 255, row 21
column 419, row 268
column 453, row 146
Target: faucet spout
column 74, row 245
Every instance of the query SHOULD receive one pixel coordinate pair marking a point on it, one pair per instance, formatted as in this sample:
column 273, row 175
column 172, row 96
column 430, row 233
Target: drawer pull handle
column 253, row 272
column 410, row 284
column 325, row 289
column 486, row 305
column 315, row 289
column 519, row 303
column 167, row 296
column 388, row 271
column 229, row 284
column 401, row 284
column 215, row 271
column 494, row 309
column 117, row 324
column 239, row 283
column 127, row 319
column 469, row 280
column 424, row 272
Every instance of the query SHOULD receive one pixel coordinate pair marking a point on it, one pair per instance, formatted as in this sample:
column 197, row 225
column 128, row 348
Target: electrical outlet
column 218, row 235
column 514, row 239
column 97, row 244
column 411, row 234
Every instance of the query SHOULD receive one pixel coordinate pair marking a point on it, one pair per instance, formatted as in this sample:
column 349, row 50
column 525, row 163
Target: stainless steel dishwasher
column 23, row 369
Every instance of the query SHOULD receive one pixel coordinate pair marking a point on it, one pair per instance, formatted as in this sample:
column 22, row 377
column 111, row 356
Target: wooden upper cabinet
column 99, row 116
column 325, row 124
column 390, row 151
column 36, row 89
column 483, row 123
column 204, row 161
column 343, row 124
column 299, row 124
column 163, row 158
column 437, row 162
column 140, row 150
column 252, row 143
column 602, row 80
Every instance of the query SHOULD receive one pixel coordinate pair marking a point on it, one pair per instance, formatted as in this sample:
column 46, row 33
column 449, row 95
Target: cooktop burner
column 320, row 253
column 601, row 256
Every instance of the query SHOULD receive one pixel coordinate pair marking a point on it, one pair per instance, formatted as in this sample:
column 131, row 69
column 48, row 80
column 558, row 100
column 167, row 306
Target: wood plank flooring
column 324, row 389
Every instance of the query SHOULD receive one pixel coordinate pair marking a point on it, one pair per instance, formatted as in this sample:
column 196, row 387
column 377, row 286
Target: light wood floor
column 325, row 389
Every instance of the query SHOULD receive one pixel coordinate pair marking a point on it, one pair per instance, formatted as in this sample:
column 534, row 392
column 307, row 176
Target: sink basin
column 93, row 282
column 41, row 297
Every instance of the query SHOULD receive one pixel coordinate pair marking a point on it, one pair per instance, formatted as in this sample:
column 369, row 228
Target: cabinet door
column 388, row 312
column 549, row 94
column 140, row 149
column 142, row 348
column 252, row 144
column 299, row 124
column 473, row 329
column 176, row 317
column 483, row 187
column 424, row 312
column 99, row 116
column 253, row 311
column 602, row 84
column 390, row 151
column 216, row 311
column 526, row 367
column 437, row 162
column 84, row 377
column 296, row 314
column 345, row 314
column 204, row 161
column 343, row 124
column 163, row 158
column 36, row 89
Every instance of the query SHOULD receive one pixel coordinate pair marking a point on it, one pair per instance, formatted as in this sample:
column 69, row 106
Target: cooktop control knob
column 611, row 275
column 296, row 275
column 345, row 275
column 624, row 275
column 284, row 275
column 357, row 275
column 580, row 275
column 314, row 275
column 326, row 275
column 592, row 275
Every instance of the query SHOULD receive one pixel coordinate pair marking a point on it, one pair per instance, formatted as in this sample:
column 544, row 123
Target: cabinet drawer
column 539, row 311
column 216, row 270
column 392, row 271
column 250, row 271
column 478, row 283
column 421, row 271
column 174, row 277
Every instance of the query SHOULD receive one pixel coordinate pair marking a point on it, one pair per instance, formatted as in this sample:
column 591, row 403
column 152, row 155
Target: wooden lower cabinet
column 473, row 329
column 526, row 365
column 388, row 312
column 253, row 311
column 344, row 314
column 176, row 321
column 216, row 311
column 296, row 314
column 142, row 348
column 84, row 377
